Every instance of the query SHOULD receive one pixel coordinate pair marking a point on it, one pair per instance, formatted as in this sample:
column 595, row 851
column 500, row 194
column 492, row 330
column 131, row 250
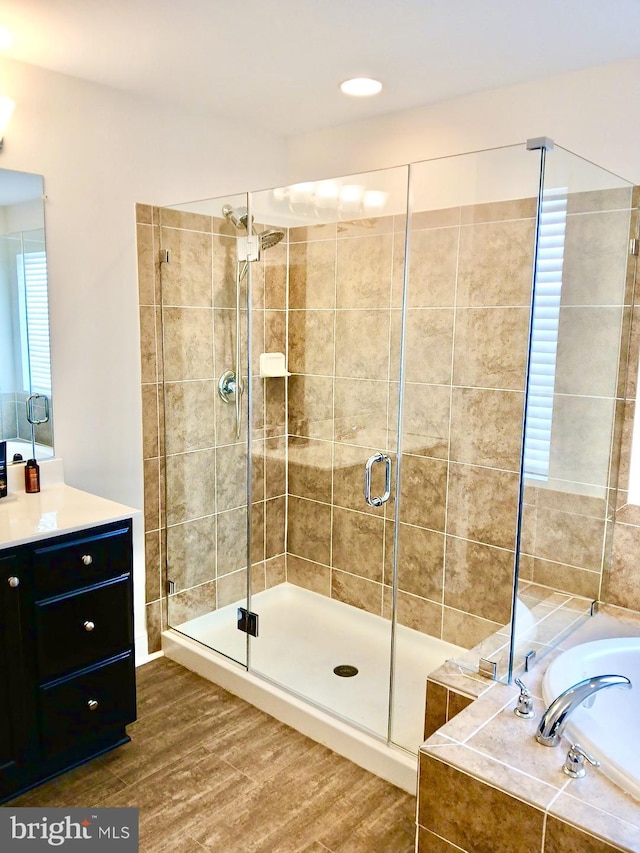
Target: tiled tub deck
column 486, row 786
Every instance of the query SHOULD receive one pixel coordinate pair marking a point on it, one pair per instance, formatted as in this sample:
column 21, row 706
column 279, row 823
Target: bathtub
column 607, row 724
column 16, row 445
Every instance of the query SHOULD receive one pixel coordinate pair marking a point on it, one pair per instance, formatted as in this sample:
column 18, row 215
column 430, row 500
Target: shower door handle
column 371, row 461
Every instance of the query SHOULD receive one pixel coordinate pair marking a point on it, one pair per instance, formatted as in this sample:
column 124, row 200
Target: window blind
column 544, row 333
column 34, row 309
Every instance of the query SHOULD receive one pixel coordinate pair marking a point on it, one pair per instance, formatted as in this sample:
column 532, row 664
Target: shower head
column 270, row 238
column 237, row 215
column 240, row 217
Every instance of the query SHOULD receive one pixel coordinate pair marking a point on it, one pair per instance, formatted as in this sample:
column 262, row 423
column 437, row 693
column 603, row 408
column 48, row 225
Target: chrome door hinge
column 247, row 621
column 171, row 587
column 633, row 246
column 164, row 256
column 488, row 668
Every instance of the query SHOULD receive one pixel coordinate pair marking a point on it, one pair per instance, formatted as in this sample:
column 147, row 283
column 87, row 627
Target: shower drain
column 345, row 670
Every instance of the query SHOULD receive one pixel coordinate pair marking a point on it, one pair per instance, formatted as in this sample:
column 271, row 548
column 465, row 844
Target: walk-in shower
column 436, row 442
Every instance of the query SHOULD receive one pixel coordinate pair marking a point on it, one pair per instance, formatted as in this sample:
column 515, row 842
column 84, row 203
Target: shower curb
column 388, row 762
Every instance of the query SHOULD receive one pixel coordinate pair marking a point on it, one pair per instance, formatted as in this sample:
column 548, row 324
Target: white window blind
column 34, row 316
column 544, row 343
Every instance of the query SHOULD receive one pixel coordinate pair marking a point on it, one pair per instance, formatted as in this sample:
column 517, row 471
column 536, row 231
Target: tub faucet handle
column 574, row 762
column 524, row 708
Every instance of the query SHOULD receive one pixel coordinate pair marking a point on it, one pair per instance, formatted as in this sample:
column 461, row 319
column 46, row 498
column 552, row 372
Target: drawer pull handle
column 89, row 626
column 92, row 704
column 14, row 582
column 87, row 559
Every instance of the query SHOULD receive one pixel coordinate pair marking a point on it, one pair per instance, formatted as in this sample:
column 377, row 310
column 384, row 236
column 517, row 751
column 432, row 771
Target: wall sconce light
column 329, row 199
column 6, row 109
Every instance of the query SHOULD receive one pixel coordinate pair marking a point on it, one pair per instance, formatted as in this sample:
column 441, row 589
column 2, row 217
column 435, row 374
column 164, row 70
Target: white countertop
column 55, row 510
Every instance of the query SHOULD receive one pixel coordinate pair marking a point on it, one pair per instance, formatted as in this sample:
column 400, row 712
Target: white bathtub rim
column 393, row 764
column 578, row 660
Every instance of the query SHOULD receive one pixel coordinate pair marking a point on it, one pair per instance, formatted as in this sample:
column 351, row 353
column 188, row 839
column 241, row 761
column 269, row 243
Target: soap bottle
column 31, row 477
column 3, row 469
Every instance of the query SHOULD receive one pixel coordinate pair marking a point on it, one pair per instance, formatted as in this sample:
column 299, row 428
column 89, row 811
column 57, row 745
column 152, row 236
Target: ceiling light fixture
column 361, row 87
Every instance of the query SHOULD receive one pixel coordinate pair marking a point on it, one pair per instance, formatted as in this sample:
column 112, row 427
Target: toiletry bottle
column 3, row 469
column 31, row 477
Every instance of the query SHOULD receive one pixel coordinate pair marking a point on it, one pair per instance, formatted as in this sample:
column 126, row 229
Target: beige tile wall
column 339, row 325
column 568, row 527
column 463, row 411
column 469, row 286
column 201, row 533
column 467, row 325
column 621, row 579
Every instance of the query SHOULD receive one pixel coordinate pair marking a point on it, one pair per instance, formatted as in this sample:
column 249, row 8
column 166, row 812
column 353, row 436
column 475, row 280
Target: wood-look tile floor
column 210, row 772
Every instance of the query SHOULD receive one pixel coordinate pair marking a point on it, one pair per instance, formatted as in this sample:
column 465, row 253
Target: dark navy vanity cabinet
column 67, row 671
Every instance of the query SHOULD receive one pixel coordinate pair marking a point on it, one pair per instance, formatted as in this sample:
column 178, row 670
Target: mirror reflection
column 25, row 366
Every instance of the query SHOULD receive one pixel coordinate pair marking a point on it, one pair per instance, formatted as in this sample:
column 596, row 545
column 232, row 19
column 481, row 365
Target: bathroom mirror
column 25, row 366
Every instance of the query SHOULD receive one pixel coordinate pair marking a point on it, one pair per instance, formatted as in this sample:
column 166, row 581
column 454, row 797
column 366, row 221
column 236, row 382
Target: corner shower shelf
column 273, row 364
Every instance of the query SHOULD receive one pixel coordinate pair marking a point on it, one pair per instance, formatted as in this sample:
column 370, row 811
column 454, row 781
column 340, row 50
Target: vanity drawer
column 82, row 561
column 78, row 629
column 87, row 705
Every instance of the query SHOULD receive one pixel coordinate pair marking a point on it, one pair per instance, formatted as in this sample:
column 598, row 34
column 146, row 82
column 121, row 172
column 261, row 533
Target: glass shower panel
column 328, row 617
column 204, row 284
column 471, row 242
column 581, row 319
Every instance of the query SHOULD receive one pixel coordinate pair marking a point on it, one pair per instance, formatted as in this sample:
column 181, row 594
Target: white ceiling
column 278, row 63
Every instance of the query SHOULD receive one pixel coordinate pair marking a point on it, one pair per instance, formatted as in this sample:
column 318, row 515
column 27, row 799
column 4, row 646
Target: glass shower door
column 331, row 618
column 203, row 284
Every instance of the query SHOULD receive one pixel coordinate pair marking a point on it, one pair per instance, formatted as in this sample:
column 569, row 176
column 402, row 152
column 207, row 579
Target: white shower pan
column 303, row 636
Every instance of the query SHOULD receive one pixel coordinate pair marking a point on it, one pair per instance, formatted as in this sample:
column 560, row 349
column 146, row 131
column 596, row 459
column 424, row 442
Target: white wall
column 100, row 152
column 592, row 112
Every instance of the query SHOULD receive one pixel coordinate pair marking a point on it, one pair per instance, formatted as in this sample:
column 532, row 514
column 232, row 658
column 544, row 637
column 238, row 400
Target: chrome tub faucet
column 555, row 717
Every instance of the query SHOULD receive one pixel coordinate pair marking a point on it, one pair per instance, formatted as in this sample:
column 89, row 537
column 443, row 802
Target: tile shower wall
column 13, row 419
column 489, row 305
column 467, row 327
column 468, row 302
column 201, row 532
column 340, row 399
column 568, row 521
column 464, row 375
column 622, row 585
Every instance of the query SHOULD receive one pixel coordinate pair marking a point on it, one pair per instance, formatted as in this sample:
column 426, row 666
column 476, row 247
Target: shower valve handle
column 574, row 762
column 524, row 708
